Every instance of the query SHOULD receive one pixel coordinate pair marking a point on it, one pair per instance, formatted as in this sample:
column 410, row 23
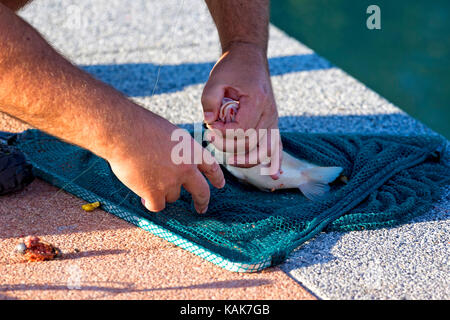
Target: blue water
column 407, row 61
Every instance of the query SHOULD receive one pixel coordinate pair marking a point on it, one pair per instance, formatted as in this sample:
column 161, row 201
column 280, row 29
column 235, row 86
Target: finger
column 212, row 100
column 262, row 151
column 197, row 186
column 268, row 152
column 154, row 203
column 173, row 195
column 279, row 154
column 274, row 165
column 236, row 141
column 248, row 116
column 241, row 136
column 211, row 169
column 254, row 156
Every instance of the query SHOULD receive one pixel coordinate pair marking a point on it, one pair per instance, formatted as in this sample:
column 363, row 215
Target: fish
column 312, row 180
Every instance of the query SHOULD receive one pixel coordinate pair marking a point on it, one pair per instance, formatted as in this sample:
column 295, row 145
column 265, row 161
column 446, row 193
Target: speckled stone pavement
column 128, row 45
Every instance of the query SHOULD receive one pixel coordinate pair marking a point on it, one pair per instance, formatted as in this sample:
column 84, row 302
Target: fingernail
column 275, row 176
column 143, row 203
column 209, row 117
column 204, row 210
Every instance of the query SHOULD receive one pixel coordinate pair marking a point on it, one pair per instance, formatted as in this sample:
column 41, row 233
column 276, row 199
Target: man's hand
column 242, row 74
column 143, row 163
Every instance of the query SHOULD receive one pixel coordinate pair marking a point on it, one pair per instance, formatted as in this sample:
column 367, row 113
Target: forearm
column 14, row 4
column 241, row 21
column 40, row 87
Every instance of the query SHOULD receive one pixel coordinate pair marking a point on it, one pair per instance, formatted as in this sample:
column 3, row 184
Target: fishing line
column 160, row 65
column 174, row 26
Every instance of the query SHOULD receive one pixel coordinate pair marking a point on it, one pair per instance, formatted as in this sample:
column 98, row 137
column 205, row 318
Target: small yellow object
column 90, row 206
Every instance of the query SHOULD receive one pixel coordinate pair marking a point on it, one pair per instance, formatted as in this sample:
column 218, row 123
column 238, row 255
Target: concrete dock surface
column 160, row 53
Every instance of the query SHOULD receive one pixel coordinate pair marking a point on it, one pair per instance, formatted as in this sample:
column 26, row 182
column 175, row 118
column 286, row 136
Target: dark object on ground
column 34, row 249
column 15, row 172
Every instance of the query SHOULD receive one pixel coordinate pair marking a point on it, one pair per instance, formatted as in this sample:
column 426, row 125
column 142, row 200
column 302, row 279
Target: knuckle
column 206, row 99
column 202, row 197
column 202, row 192
column 190, row 173
column 211, row 169
column 190, row 170
column 186, row 169
column 173, row 197
column 171, row 185
column 261, row 91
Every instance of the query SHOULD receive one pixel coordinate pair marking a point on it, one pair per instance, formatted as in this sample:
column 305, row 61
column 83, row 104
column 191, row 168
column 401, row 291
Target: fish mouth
column 228, row 110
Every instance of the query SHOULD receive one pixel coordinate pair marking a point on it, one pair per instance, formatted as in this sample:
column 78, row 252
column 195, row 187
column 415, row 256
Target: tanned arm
column 241, row 21
column 42, row 88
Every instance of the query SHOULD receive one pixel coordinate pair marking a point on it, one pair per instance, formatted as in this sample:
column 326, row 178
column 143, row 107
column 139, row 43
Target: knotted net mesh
column 391, row 179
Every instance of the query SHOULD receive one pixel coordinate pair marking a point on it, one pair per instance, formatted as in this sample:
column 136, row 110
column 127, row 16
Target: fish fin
column 323, row 175
column 314, row 190
column 318, row 180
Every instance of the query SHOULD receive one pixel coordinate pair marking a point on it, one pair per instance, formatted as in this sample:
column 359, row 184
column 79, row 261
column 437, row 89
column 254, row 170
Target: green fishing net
column 391, row 179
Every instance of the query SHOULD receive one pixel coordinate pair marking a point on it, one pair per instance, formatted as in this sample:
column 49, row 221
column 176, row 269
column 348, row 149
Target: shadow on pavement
column 125, row 287
column 138, row 79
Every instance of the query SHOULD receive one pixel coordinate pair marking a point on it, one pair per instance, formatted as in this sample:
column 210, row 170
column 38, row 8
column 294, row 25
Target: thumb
column 212, row 100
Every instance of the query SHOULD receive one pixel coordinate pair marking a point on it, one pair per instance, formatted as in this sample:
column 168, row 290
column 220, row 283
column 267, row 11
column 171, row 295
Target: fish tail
column 318, row 179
